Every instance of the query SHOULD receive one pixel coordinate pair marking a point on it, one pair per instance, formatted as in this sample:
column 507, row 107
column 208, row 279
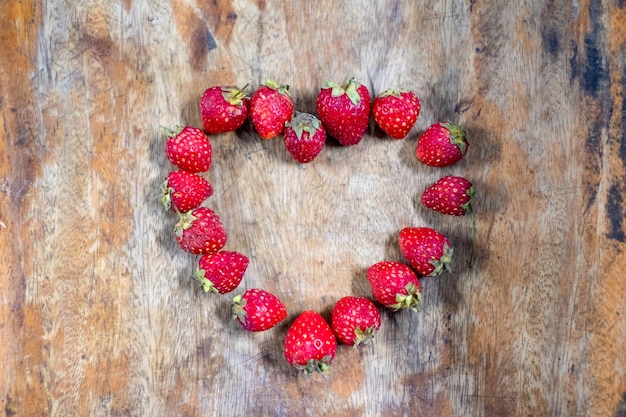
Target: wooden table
column 99, row 315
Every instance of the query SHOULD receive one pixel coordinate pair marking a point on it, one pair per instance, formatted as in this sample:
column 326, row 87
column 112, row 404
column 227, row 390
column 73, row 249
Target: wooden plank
column 99, row 315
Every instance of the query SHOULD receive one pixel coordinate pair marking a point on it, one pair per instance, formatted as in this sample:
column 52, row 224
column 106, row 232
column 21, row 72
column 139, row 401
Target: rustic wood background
column 98, row 312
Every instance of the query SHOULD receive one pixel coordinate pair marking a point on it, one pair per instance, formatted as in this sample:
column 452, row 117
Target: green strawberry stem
column 172, row 132
column 184, row 223
column 313, row 365
column 304, row 122
column 205, row 283
column 467, row 207
column 237, row 308
column 234, row 95
column 411, row 300
column 350, row 90
column 166, row 194
column 443, row 263
column 363, row 335
column 457, row 136
column 281, row 88
column 392, row 92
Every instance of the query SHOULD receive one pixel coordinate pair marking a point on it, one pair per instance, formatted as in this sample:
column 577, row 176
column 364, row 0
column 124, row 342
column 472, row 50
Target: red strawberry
column 270, row 108
column 221, row 272
column 223, row 109
column 310, row 344
column 184, row 191
column 355, row 320
column 395, row 112
column 427, row 250
column 257, row 310
column 442, row 144
column 304, row 137
column 189, row 149
column 449, row 195
column 200, row 231
column 395, row 285
column 344, row 111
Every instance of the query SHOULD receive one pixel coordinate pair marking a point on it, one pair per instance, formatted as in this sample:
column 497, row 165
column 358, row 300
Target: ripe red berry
column 258, row 310
column 200, row 231
column 222, row 271
column 183, row 191
column 189, row 149
column 395, row 285
column 310, row 345
column 355, row 320
column 223, row 109
column 395, row 112
column 344, row 111
column 304, row 137
column 442, row 144
column 449, row 195
column 270, row 108
column 428, row 251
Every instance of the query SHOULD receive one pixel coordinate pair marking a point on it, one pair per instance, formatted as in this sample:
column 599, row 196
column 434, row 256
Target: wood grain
column 99, row 315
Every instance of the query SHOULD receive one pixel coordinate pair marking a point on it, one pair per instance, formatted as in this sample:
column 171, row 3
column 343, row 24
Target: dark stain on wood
column 552, row 26
column 620, row 411
column 594, row 72
column 615, row 212
column 622, row 138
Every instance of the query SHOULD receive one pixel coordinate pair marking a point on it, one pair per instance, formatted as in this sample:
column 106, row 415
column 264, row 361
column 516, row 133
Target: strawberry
column 355, row 320
column 221, row 272
column 200, row 231
column 270, row 108
column 344, row 111
column 189, row 149
column 304, row 137
column 442, row 144
column 427, row 250
column 257, row 310
column 183, row 191
column 310, row 344
column 223, row 109
column 395, row 112
column 449, row 195
column 395, row 285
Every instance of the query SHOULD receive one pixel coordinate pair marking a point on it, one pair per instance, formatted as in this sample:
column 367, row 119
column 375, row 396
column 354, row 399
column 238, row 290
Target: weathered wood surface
column 99, row 316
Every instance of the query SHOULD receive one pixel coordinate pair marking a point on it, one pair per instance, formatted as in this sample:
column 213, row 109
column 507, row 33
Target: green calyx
column 234, row 95
column 172, row 132
column 166, row 194
column 205, row 283
column 411, row 300
column 350, row 90
column 363, row 335
column 304, row 122
column 237, row 308
column 443, row 263
column 281, row 88
column 458, row 136
column 392, row 92
column 313, row 366
column 184, row 223
column 467, row 207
